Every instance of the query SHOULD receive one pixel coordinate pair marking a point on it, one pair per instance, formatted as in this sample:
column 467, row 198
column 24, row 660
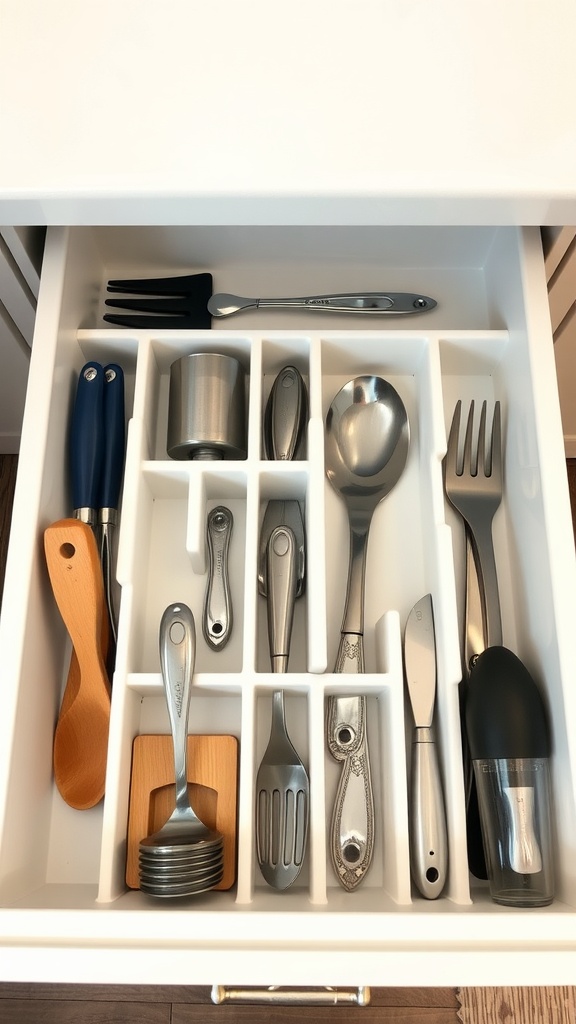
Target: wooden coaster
column 213, row 789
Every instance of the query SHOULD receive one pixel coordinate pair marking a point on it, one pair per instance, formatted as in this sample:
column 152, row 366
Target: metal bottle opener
column 217, row 619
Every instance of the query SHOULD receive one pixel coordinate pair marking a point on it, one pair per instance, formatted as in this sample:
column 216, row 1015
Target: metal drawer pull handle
column 293, row 996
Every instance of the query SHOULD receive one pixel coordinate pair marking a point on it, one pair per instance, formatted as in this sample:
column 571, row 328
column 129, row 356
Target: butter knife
column 428, row 840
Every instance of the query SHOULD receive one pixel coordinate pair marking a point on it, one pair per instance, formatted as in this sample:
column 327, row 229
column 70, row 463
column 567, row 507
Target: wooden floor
column 132, row 1004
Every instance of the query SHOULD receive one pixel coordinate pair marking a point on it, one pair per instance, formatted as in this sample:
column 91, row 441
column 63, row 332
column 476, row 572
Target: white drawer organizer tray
column 62, row 883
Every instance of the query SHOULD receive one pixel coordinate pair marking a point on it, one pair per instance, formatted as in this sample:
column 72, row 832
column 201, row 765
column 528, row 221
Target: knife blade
column 428, row 839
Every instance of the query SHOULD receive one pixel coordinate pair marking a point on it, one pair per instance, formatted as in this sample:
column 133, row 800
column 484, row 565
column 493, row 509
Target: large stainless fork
column 473, row 485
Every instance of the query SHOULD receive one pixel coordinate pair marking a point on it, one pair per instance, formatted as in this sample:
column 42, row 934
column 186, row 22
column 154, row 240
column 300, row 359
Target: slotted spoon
column 282, row 787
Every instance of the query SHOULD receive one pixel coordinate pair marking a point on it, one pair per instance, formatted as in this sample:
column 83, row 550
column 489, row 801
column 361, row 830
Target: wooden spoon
column 81, row 737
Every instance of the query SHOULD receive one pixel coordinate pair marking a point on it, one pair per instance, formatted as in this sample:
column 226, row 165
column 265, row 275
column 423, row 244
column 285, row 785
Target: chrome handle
column 352, row 826
column 488, row 581
column 387, row 303
column 217, row 620
column 177, row 655
column 293, row 996
column 281, row 594
column 429, row 847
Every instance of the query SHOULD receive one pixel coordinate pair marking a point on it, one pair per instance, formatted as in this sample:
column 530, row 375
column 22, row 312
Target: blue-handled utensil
column 87, row 442
column 110, row 480
column 97, row 462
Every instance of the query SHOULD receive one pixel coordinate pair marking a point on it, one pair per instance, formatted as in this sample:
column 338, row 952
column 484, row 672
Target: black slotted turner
column 184, row 307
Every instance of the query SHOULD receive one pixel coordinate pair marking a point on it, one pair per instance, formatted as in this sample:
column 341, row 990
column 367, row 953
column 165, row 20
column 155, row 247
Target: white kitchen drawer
column 65, row 911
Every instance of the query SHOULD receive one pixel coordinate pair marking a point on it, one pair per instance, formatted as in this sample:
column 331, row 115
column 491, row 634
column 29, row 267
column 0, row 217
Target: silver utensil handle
column 390, row 303
column 352, row 827
column 488, row 581
column 217, row 620
column 177, row 655
column 350, row 656
column 429, row 847
column 281, row 594
column 285, row 415
column 107, row 559
column 358, row 302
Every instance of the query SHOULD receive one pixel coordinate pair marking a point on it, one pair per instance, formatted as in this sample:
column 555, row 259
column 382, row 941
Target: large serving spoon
column 367, row 441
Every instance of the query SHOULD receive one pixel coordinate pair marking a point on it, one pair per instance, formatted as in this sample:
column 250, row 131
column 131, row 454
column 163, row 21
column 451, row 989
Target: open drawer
column 62, row 872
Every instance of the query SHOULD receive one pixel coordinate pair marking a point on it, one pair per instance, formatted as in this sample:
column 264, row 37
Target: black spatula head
column 174, row 303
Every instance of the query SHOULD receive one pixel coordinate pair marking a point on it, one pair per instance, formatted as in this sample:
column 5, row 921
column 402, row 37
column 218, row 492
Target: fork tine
column 451, row 457
column 496, row 448
column 469, row 458
column 484, row 454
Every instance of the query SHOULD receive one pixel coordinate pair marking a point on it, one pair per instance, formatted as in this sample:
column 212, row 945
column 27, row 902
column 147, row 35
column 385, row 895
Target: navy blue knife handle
column 87, row 437
column 115, row 436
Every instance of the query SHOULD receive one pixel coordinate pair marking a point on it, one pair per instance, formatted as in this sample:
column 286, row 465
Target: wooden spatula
column 81, row 737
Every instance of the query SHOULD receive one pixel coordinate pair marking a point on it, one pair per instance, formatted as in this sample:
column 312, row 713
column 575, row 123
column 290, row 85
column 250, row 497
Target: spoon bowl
column 367, row 441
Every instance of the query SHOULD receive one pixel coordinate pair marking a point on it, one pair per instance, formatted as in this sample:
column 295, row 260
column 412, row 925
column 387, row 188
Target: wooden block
column 213, row 789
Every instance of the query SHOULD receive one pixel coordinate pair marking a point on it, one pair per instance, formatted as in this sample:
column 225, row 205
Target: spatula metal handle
column 429, row 854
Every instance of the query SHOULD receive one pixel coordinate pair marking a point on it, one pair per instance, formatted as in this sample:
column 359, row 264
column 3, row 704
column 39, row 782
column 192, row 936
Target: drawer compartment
column 63, row 872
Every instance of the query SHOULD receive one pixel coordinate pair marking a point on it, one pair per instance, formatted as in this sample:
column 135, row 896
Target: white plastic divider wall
column 162, row 558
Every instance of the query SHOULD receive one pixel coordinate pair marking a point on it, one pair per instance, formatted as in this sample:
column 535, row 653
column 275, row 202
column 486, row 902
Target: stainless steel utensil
column 217, row 618
column 473, row 645
column 283, row 513
column 387, row 303
column 367, row 442
column 185, row 302
column 183, row 833
column 428, row 840
column 473, row 485
column 285, row 416
column 282, row 792
column 282, row 786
